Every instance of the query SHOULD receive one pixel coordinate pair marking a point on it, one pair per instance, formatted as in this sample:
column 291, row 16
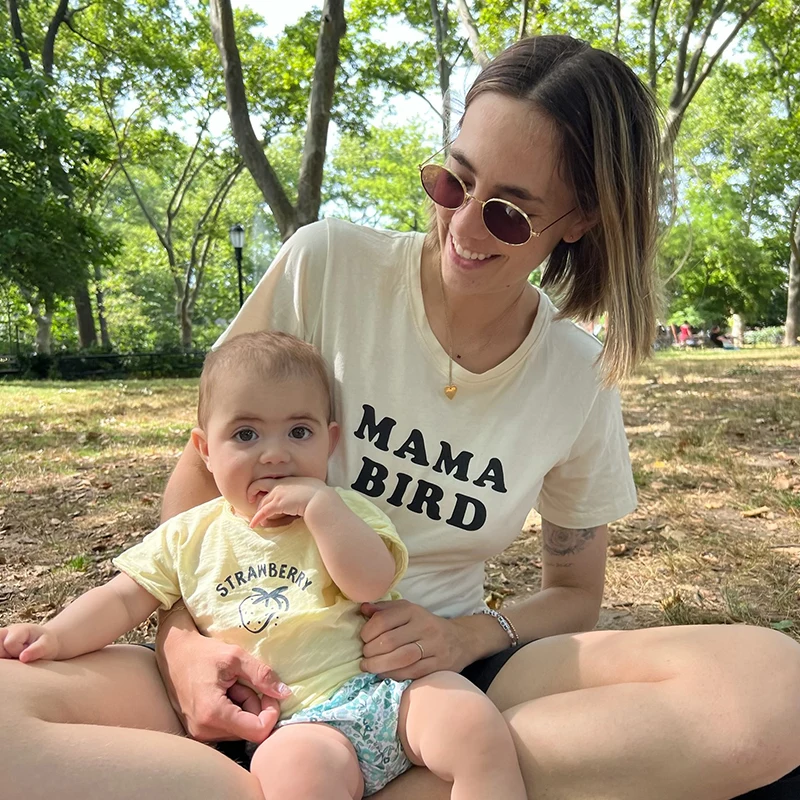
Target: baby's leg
column 452, row 728
column 306, row 761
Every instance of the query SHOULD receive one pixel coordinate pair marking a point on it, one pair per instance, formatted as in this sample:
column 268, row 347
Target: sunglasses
column 508, row 223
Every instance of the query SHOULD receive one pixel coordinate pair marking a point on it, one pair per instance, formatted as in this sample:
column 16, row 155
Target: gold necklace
column 451, row 389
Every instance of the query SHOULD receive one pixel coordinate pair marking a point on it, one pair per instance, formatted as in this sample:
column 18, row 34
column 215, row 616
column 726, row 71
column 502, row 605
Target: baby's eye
column 300, row 432
column 245, row 435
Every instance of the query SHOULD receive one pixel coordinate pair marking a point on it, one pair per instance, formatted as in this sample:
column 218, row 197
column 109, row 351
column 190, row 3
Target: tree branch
column 652, row 70
column 49, row 45
column 683, row 47
column 121, row 160
column 216, row 203
column 309, row 185
column 709, row 65
column 180, row 189
column 249, row 146
column 522, row 31
column 478, row 53
column 19, row 36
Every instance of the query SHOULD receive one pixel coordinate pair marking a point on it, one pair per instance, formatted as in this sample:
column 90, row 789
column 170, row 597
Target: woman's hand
column 404, row 641
column 202, row 679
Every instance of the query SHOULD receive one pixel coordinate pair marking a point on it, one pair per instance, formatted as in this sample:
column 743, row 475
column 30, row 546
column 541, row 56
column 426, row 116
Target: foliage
column 47, row 243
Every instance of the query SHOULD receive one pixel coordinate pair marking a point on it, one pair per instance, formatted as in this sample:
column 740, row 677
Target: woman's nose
column 467, row 221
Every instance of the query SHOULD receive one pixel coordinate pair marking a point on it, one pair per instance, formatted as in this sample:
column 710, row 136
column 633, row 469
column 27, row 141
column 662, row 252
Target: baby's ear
column 200, row 442
column 334, row 431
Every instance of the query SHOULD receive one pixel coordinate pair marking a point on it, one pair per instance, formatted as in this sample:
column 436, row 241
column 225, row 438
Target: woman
column 464, row 400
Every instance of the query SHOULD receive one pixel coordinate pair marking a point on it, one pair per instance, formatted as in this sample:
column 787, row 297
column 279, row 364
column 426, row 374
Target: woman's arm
column 573, row 565
column 190, row 485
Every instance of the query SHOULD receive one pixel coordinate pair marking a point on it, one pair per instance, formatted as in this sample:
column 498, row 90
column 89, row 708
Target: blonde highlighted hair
column 271, row 355
column 607, row 123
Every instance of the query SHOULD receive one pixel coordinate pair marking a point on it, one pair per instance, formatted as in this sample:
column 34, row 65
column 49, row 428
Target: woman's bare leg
column 685, row 713
column 101, row 727
column 664, row 713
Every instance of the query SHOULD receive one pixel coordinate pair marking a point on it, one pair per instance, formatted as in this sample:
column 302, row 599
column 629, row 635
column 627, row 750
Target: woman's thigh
column 101, row 726
column 705, row 654
column 118, row 686
column 703, row 711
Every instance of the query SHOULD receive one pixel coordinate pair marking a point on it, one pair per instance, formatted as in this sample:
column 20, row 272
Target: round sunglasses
column 505, row 221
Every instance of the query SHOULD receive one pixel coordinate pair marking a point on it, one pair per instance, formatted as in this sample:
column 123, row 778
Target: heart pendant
column 450, row 391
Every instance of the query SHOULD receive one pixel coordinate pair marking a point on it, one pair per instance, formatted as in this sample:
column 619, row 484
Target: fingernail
column 284, row 689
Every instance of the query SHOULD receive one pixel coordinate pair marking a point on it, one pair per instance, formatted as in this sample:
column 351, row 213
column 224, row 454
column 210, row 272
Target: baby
column 279, row 565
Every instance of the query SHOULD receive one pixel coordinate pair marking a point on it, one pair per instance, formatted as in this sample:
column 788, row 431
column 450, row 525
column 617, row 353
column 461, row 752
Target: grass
column 715, row 445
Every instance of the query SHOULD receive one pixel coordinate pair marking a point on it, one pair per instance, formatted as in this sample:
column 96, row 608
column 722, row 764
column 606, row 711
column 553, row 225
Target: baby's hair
column 269, row 354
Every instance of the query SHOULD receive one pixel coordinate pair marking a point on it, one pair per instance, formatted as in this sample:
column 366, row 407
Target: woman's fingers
column 384, row 616
column 261, row 676
column 403, row 657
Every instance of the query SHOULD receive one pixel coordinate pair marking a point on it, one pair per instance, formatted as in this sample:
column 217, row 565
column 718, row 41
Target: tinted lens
column 442, row 186
column 505, row 222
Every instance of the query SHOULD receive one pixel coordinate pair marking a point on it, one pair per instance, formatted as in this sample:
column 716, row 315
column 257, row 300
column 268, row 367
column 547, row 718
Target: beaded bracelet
column 505, row 624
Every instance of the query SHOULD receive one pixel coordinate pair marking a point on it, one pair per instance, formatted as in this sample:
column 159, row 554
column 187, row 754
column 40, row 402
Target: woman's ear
column 334, row 432
column 579, row 228
column 200, row 442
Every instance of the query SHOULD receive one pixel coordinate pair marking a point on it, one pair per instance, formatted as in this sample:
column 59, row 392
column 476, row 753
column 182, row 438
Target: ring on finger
column 421, row 650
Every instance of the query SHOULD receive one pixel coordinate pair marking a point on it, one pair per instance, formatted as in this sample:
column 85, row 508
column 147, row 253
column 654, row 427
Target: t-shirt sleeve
column 594, row 484
column 153, row 563
column 383, row 526
column 288, row 297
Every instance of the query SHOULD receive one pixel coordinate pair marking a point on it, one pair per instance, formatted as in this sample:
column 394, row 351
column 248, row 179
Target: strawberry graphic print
column 259, row 609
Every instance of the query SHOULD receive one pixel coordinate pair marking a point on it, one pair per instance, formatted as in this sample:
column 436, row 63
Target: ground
column 715, row 445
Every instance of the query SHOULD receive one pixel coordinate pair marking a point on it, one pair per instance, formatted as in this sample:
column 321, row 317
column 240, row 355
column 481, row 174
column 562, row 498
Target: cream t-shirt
column 266, row 590
column 456, row 477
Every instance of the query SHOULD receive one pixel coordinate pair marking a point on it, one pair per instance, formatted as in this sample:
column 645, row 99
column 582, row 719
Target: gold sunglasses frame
column 534, row 234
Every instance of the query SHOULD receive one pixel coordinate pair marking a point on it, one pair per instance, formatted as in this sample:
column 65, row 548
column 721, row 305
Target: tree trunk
column 105, row 339
column 87, row 331
column 44, row 324
column 441, row 26
column 250, row 147
column 185, row 319
column 737, row 330
column 793, row 302
column 309, row 185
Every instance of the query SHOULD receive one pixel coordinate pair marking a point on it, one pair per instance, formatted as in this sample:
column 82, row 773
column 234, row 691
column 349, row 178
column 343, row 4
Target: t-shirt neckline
column 438, row 355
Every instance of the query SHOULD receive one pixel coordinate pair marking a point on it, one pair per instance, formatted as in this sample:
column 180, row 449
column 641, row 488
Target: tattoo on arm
column 560, row 542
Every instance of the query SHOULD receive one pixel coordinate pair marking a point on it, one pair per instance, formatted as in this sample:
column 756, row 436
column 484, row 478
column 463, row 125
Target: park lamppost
column 237, row 241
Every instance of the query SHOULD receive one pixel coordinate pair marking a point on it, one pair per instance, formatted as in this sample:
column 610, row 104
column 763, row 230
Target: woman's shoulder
column 334, row 230
column 575, row 345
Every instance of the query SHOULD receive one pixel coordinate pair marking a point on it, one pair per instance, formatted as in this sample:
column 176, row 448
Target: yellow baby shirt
column 266, row 590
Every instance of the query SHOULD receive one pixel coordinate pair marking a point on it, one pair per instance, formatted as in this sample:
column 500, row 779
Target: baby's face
column 262, row 428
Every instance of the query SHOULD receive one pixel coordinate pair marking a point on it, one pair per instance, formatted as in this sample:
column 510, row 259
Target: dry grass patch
column 715, row 443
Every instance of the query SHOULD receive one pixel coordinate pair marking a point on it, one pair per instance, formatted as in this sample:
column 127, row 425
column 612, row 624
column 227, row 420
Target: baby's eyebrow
column 516, row 191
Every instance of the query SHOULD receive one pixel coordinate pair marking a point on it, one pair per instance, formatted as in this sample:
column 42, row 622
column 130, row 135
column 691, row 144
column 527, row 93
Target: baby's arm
column 358, row 560
column 94, row 620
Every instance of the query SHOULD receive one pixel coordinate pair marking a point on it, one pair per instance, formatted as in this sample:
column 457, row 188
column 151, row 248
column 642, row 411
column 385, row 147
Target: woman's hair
column 271, row 355
column 607, row 124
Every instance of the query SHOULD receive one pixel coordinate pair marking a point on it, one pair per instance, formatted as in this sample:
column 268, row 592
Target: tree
column 288, row 217
column 48, row 246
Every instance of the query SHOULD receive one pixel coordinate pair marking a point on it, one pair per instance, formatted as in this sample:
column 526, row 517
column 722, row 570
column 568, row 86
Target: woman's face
column 505, row 149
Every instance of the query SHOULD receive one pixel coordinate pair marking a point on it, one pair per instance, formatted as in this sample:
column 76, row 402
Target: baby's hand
column 28, row 642
column 286, row 497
